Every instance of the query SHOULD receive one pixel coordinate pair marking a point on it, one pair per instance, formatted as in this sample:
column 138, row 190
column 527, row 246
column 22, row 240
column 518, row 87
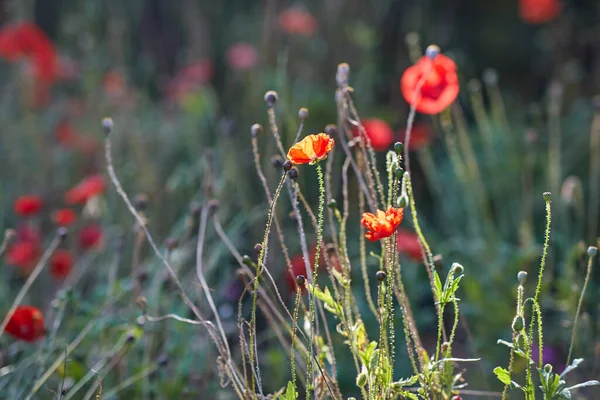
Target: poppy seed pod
column 398, row 147
column 432, row 51
column 300, row 280
column 380, row 275
column 107, row 125
column 141, row 202
column 246, row 260
column 258, row 248
column 330, row 129
column 256, row 130
column 303, row 113
column 62, row 232
column 522, row 277
column 287, row 165
column 332, row 204
column 592, row 251
column 271, row 98
column 547, row 196
column 162, row 360
column 293, row 173
column 277, row 161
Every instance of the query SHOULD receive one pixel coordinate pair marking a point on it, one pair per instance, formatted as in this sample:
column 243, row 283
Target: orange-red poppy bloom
column 379, row 132
column 64, row 217
column 26, row 323
column 432, row 82
column 89, row 187
column 297, row 21
column 539, row 11
column 23, row 254
column 28, row 205
column 420, row 136
column 242, row 56
column 311, row 149
column 61, row 264
column 408, row 243
column 383, row 224
column 91, row 237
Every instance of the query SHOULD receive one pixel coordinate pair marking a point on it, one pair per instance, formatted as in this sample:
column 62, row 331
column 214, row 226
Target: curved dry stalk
column 9, row 234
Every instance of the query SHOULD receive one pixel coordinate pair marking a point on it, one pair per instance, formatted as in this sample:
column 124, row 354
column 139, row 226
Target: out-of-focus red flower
column 298, row 267
column 64, row 217
column 189, row 78
column 311, row 149
column 297, row 21
column 28, row 205
column 23, row 254
column 61, row 264
column 436, row 75
column 65, row 134
column 383, row 224
column 89, row 187
column 539, row 11
column 114, row 84
column 26, row 323
column 379, row 132
column 420, row 136
column 90, row 237
column 408, row 243
column 241, row 56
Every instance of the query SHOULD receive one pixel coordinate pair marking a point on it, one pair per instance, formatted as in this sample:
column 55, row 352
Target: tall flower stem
column 592, row 251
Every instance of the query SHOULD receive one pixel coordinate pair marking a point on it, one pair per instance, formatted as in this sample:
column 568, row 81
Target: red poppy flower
column 420, row 136
column 297, row 21
column 432, row 80
column 91, row 237
column 311, row 149
column 64, row 217
column 26, row 323
column 408, row 243
column 23, row 254
column 539, row 11
column 379, row 132
column 89, row 187
column 61, row 264
column 28, row 205
column 241, row 56
column 383, row 224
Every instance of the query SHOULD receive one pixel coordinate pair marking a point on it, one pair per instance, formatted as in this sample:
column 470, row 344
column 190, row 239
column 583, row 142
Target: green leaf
column 290, row 392
column 571, row 367
column 584, row 384
column 438, row 285
column 503, row 375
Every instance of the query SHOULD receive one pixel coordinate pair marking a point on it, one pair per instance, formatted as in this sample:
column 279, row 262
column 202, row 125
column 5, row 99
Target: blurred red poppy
column 91, row 237
column 89, row 187
column 433, row 80
column 408, row 243
column 65, row 134
column 299, row 268
column 297, row 21
column 61, row 264
column 379, row 132
column 242, row 56
column 23, row 254
column 26, row 323
column 64, row 217
column 420, row 136
column 189, row 78
column 28, row 205
column 539, row 11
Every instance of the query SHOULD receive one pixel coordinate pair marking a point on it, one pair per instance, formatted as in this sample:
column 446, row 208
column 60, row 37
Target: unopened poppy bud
column 287, row 165
column 277, row 162
column 438, row 261
column 521, row 341
column 246, row 260
column 547, row 368
column 293, row 173
column 195, row 209
column 303, row 113
column 432, row 51
column 107, row 125
column 457, row 268
column 162, row 360
column 398, row 147
column 380, row 275
column 330, row 129
column 171, row 244
column 361, row 379
column 141, row 202
column 399, row 172
column 271, row 98
column 490, row 76
column 522, row 277
column 402, row 201
column 592, row 251
column 256, row 129
column 547, row 196
column 300, row 280
column 142, row 303
column 332, row 204
column 518, row 324
column 258, row 248
column 62, row 232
